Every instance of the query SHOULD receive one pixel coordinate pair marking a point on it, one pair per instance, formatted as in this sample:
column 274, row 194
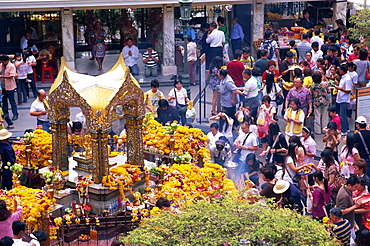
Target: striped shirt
column 150, row 62
column 342, row 231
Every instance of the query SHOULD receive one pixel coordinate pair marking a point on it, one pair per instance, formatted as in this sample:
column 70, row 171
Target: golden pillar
column 100, row 165
column 60, row 146
column 134, row 140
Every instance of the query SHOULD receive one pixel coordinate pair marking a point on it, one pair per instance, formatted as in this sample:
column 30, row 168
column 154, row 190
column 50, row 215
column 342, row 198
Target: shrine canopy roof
column 97, row 96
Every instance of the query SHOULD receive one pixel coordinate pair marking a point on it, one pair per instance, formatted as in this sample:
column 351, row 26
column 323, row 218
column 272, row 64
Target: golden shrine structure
column 97, row 97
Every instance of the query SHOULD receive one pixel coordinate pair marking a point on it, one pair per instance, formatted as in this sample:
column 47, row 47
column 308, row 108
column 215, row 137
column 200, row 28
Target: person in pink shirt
column 334, row 116
column 7, row 218
column 349, row 153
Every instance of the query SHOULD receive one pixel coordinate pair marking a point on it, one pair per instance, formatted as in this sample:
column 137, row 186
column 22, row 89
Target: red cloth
column 276, row 74
column 236, row 69
column 336, row 119
column 352, row 57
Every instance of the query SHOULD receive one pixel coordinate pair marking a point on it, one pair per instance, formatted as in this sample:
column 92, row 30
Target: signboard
column 363, row 103
column 202, row 71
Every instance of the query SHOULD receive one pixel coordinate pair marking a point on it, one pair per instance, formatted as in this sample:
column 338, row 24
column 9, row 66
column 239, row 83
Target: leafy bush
column 227, row 222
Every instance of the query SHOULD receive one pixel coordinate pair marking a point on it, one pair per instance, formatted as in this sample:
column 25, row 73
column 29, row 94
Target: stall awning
column 32, row 5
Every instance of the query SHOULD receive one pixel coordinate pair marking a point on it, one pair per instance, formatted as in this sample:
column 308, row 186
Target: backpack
column 267, row 45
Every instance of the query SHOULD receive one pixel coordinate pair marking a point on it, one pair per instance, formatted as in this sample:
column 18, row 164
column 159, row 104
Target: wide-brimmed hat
column 281, row 186
column 5, row 134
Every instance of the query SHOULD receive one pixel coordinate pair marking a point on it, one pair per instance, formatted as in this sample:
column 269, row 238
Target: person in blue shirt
column 290, row 195
column 236, row 35
column 7, row 156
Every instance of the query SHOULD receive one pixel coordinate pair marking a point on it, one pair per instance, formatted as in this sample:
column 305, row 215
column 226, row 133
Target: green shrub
column 228, row 222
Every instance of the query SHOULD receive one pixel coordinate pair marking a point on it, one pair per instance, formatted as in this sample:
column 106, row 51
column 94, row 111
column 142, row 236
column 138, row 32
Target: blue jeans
column 344, row 126
column 45, row 125
column 134, row 69
column 9, row 95
column 32, row 84
column 21, row 90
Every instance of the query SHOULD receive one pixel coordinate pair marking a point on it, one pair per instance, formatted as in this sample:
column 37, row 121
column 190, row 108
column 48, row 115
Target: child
column 334, row 116
column 22, row 67
column 332, row 138
column 247, row 59
column 292, row 49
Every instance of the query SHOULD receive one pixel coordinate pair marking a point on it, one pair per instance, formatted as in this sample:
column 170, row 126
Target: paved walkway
column 86, row 66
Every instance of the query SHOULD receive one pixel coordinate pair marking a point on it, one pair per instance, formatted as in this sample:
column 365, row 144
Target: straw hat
column 281, row 186
column 5, row 134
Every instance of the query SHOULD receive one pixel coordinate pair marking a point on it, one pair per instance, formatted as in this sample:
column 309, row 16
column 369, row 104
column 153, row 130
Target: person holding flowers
column 7, row 218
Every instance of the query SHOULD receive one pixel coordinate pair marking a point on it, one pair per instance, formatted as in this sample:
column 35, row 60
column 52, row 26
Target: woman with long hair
column 290, row 166
column 277, row 145
column 214, row 80
column 7, row 218
column 329, row 166
column 349, row 154
column 320, row 196
column 271, row 88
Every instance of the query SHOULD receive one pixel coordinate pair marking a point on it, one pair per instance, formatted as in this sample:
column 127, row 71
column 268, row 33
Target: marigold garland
column 42, row 149
column 185, row 183
column 34, row 203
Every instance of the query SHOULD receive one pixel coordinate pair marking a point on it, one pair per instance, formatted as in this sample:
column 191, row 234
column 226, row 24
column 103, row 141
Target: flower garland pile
column 186, row 183
column 124, row 176
column 34, row 203
column 41, row 146
column 158, row 139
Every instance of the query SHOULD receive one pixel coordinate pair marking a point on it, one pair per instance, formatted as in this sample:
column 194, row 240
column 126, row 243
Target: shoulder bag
column 279, row 98
column 270, row 157
column 238, row 152
column 327, row 206
column 296, row 177
column 363, row 142
column 181, row 108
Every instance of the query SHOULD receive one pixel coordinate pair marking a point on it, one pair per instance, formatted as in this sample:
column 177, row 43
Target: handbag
column 279, row 98
column 327, row 206
column 296, row 177
column 181, row 108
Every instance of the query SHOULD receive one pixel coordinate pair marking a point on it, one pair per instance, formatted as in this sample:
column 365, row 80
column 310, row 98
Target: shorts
column 264, row 140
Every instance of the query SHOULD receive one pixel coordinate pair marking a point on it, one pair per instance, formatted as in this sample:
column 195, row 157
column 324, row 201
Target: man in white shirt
column 343, row 97
column 216, row 40
column 19, row 231
column 317, row 38
column 316, row 52
column 213, row 136
column 25, row 44
column 246, row 143
column 131, row 54
column 38, row 109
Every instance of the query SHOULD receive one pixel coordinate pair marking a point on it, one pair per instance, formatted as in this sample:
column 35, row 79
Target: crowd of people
column 315, row 84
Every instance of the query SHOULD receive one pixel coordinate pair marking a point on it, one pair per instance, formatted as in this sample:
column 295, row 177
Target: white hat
column 281, row 186
column 5, row 134
column 361, row 120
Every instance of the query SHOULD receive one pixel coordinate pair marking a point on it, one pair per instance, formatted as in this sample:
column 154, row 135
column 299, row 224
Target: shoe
column 213, row 114
column 92, row 58
column 15, row 118
column 10, row 127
